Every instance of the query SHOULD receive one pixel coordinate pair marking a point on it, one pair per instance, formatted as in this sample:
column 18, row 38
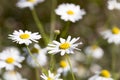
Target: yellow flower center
column 24, row 36
column 31, row 0
column 34, row 50
column 94, row 47
column 10, row 60
column 63, row 64
column 49, row 78
column 105, row 73
column 115, row 30
column 65, row 45
column 70, row 12
column 13, row 72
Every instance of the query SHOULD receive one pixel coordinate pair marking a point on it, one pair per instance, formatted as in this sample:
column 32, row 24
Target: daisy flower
column 70, row 12
column 12, row 75
column 9, row 58
column 112, row 36
column 28, row 3
column 64, row 46
column 113, row 4
column 94, row 51
column 51, row 76
column 64, row 67
column 103, row 75
column 39, row 54
column 26, row 37
column 95, row 67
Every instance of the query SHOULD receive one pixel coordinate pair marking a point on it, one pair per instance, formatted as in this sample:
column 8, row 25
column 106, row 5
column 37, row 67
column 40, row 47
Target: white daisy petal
column 12, row 75
column 62, row 40
column 112, row 36
column 70, row 12
column 64, row 46
column 28, row 3
column 26, row 37
column 10, row 57
column 103, row 75
column 50, row 76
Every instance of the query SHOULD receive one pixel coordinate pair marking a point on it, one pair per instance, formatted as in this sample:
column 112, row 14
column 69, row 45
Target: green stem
column 89, row 61
column 113, row 53
column 73, row 77
column 39, row 25
column 33, row 57
column 53, row 17
column 52, row 62
column 65, row 30
column 37, row 74
column 113, row 62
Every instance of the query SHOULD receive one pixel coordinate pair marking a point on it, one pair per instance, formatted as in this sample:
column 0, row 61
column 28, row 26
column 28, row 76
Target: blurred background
column 97, row 18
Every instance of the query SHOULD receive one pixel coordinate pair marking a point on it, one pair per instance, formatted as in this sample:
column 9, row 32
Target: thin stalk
column 53, row 17
column 39, row 25
column 37, row 74
column 89, row 61
column 52, row 62
column 73, row 77
column 113, row 54
column 113, row 63
column 65, row 30
column 33, row 57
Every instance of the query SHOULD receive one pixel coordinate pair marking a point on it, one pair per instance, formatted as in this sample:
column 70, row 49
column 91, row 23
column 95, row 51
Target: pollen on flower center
column 65, row 45
column 49, row 78
column 63, row 64
column 105, row 73
column 115, row 30
column 31, row 0
column 24, row 36
column 70, row 12
column 10, row 60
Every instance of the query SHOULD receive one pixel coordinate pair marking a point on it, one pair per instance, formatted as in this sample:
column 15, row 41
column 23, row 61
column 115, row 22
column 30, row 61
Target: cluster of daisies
column 10, row 57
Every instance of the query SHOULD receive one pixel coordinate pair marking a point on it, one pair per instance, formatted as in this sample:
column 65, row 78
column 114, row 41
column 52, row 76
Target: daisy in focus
column 64, row 67
column 28, row 3
column 51, row 76
column 112, row 36
column 12, row 75
column 64, row 46
column 70, row 12
column 39, row 54
column 103, row 75
column 94, row 51
column 24, row 37
column 9, row 58
column 113, row 4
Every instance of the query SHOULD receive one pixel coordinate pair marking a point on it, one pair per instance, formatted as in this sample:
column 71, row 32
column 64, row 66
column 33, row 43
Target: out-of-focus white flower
column 64, row 46
column 95, row 67
column 28, row 3
column 26, row 37
column 12, row 75
column 77, row 57
column 94, row 51
column 70, row 12
column 51, row 76
column 9, row 58
column 81, row 71
column 103, row 75
column 39, row 54
column 112, row 36
column 113, row 4
column 64, row 67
